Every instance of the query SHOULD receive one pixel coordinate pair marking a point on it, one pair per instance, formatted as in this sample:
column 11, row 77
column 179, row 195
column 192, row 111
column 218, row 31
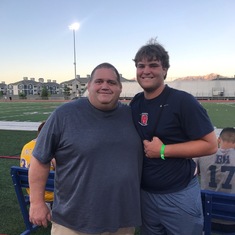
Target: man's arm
column 196, row 148
column 39, row 213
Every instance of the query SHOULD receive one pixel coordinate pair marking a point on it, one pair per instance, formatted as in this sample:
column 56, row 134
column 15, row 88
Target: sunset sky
column 36, row 40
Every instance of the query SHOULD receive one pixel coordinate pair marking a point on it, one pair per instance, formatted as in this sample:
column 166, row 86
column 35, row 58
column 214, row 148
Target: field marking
column 19, row 126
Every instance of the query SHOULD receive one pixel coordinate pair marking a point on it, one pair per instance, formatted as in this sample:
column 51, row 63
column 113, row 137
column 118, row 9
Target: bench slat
column 217, row 205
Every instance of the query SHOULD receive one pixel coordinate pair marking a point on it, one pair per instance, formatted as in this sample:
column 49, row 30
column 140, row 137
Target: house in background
column 78, row 87
column 3, row 88
column 203, row 87
column 52, row 86
column 32, row 87
column 74, row 86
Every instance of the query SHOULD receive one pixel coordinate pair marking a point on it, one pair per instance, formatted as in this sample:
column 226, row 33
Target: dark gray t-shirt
column 217, row 171
column 98, row 166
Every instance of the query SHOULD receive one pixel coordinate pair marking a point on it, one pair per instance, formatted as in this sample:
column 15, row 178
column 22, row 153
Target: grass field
column 221, row 113
column 26, row 111
column 11, row 222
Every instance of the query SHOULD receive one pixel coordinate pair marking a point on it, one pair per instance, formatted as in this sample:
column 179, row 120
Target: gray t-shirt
column 217, row 171
column 98, row 166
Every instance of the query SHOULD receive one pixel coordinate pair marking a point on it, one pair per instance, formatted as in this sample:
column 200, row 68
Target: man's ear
column 165, row 72
column 88, row 84
column 219, row 141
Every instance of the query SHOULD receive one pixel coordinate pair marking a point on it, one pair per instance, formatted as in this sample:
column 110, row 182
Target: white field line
column 21, row 126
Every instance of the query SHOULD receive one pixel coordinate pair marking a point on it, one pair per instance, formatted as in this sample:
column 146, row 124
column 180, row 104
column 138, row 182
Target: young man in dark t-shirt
column 174, row 128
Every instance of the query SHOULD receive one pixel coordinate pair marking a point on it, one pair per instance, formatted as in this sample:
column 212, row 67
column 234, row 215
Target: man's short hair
column 107, row 66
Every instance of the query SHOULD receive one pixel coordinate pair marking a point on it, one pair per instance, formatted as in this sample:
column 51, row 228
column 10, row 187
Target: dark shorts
column 178, row 213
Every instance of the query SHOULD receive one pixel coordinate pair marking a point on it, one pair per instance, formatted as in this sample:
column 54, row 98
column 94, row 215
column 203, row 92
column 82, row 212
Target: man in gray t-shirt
column 98, row 156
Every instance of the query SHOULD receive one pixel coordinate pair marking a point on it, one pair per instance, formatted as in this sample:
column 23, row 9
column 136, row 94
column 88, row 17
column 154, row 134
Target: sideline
column 19, row 126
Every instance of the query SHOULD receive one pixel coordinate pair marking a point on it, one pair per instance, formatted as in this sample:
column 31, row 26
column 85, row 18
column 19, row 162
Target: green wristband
column 162, row 152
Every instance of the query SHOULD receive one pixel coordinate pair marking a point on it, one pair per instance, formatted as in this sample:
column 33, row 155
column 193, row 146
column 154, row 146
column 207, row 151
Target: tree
column 66, row 92
column 22, row 95
column 44, row 93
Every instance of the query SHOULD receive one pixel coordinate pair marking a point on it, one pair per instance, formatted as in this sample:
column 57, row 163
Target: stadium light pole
column 74, row 27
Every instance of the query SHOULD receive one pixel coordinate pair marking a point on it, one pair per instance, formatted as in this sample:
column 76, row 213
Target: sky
column 36, row 42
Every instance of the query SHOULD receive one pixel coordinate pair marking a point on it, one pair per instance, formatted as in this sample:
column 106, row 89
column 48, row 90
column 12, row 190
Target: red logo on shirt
column 144, row 119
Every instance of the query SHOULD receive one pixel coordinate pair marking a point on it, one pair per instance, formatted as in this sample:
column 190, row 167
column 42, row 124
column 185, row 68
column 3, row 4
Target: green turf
column 27, row 111
column 13, row 141
column 221, row 114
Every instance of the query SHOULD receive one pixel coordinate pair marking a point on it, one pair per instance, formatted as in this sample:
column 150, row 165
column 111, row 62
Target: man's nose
column 146, row 69
column 105, row 85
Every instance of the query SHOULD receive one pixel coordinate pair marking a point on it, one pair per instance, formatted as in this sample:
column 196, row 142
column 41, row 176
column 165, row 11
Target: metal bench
column 217, row 205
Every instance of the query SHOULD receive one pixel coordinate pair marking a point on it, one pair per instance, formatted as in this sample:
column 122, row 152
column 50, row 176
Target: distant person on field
column 217, row 171
column 25, row 158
